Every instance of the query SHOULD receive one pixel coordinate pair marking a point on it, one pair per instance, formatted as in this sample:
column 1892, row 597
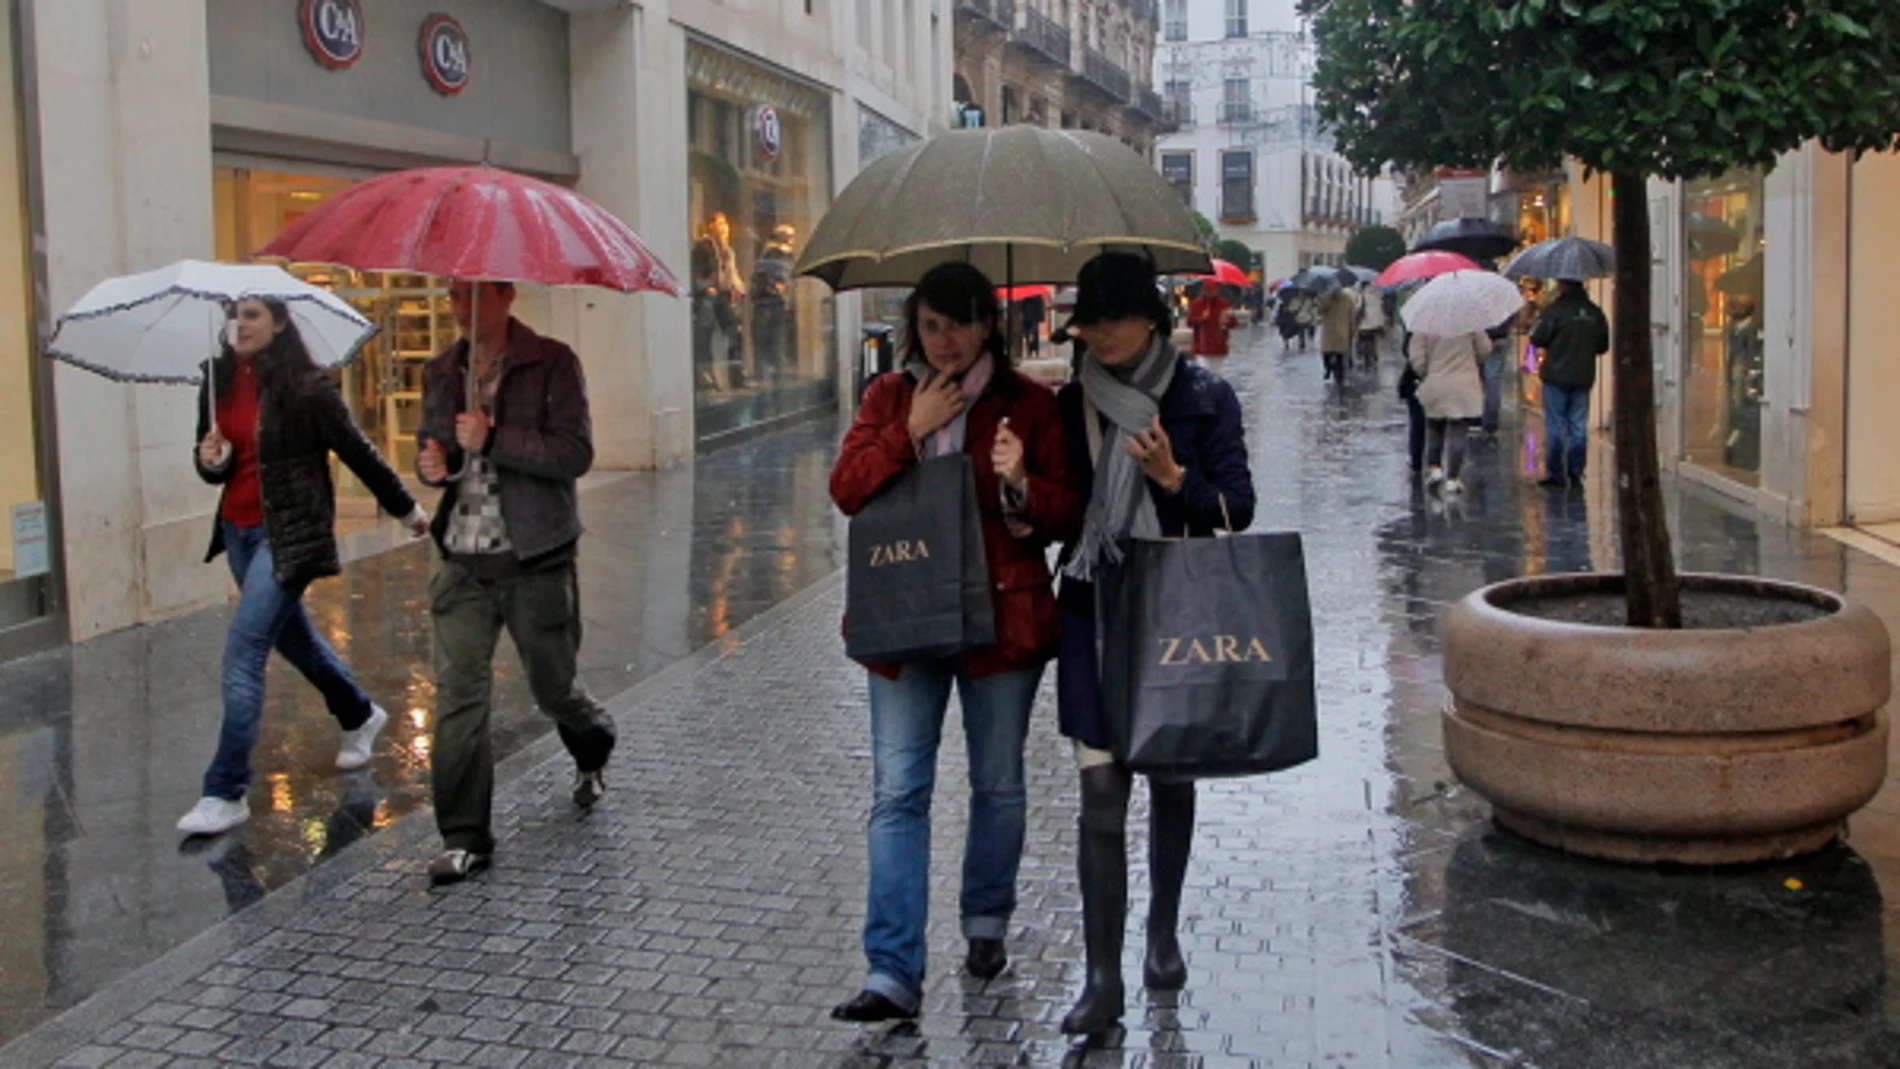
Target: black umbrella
column 1320, row 279
column 1479, row 239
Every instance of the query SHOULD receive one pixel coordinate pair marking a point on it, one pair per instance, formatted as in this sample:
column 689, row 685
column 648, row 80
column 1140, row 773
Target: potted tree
column 1643, row 715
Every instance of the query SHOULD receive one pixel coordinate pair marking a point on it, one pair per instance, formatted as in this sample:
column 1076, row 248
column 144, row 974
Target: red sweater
column 243, row 502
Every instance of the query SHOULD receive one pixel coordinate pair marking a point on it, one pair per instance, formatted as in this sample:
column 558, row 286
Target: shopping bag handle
column 1226, row 517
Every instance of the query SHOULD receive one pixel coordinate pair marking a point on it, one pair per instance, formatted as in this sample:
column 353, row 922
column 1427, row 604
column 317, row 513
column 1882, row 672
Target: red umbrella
column 1428, row 264
column 1023, row 293
column 475, row 223
column 1227, row 274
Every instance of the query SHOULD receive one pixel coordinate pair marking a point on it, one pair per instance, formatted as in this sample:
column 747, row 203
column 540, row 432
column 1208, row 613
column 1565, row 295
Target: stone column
column 125, row 122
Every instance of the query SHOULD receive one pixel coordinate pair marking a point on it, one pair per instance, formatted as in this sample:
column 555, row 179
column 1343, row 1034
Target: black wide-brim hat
column 1117, row 285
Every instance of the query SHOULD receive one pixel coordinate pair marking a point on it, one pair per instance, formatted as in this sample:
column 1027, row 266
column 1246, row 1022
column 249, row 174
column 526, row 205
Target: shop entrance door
column 384, row 384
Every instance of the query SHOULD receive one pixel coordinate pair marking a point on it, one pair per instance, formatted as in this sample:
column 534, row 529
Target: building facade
column 146, row 131
column 1070, row 64
column 1775, row 325
column 1242, row 141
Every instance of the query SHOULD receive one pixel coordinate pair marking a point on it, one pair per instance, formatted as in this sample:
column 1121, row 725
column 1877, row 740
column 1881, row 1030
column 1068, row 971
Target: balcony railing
column 1177, row 113
column 1107, row 75
column 1233, row 113
column 1044, row 37
column 996, row 12
column 1147, row 102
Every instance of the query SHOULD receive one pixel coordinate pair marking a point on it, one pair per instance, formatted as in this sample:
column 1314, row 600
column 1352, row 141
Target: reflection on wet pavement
column 1358, row 911
column 102, row 744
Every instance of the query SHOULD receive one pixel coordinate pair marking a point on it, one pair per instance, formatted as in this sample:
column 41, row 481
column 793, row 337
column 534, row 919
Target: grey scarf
column 1119, row 505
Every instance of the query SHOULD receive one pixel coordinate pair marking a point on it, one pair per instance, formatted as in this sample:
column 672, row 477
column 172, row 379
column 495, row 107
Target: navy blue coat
column 1202, row 418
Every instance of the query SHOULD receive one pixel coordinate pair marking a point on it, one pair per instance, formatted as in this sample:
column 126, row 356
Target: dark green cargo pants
column 541, row 610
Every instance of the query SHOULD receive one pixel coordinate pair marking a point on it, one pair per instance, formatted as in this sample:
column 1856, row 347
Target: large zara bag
column 917, row 583
column 1207, row 656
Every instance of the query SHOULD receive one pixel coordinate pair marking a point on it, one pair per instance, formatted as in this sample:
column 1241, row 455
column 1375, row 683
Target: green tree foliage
column 1236, row 253
column 1671, row 89
column 1209, row 236
column 1375, row 247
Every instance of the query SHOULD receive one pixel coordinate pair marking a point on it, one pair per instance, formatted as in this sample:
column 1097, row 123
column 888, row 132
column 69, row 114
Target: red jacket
column 1208, row 316
column 877, row 449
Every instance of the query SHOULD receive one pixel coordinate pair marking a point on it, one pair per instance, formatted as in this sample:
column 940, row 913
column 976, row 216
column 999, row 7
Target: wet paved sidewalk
column 1355, row 912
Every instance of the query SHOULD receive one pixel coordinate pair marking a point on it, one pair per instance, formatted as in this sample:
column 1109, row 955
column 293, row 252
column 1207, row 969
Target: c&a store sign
column 333, row 31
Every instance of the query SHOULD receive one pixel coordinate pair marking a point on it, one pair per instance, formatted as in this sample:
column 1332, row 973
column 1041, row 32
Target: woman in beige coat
column 1452, row 394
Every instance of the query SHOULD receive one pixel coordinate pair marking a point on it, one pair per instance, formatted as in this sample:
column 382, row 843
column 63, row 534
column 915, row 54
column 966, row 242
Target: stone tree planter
column 1749, row 734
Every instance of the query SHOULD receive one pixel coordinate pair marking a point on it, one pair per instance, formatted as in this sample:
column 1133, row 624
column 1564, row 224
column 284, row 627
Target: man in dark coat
column 508, row 527
column 1572, row 333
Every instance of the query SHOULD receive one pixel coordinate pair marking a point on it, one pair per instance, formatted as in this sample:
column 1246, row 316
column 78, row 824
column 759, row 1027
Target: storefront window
column 883, row 309
column 759, row 178
column 384, row 384
column 1724, row 239
column 26, row 525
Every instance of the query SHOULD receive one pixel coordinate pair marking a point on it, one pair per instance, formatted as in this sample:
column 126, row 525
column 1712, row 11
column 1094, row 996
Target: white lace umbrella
column 1462, row 302
column 164, row 325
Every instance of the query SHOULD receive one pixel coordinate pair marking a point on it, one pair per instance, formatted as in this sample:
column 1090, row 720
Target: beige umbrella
column 1022, row 204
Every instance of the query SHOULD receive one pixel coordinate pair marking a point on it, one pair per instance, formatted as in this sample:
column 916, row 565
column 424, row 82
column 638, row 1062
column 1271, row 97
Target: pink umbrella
column 1429, row 264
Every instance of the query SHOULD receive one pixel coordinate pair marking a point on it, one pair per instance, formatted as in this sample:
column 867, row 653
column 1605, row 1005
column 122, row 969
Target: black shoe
column 589, row 787
column 986, row 959
column 869, row 1007
column 454, row 866
column 1551, row 482
column 1576, row 482
column 1164, row 969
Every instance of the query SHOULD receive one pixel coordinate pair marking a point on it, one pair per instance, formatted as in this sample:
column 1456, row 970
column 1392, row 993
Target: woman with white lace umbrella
column 1448, row 318
column 257, row 342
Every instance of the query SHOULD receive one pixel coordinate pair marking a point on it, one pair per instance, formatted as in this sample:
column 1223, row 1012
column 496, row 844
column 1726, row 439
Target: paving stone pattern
column 1356, row 912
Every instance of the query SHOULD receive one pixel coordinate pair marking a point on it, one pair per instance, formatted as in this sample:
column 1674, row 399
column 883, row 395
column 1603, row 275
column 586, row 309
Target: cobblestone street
column 1357, row 912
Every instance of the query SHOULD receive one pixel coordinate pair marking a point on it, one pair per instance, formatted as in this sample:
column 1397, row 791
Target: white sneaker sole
column 192, row 827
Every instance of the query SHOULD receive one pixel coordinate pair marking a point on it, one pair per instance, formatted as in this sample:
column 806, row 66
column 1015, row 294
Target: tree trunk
column 1653, row 595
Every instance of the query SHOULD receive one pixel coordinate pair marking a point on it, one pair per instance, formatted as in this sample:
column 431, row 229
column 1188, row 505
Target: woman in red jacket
column 957, row 393
column 1210, row 315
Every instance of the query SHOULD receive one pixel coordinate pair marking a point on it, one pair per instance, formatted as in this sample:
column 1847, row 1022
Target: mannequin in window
column 774, row 323
column 717, row 291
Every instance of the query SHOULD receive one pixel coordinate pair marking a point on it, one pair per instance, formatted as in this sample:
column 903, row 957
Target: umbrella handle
column 211, row 390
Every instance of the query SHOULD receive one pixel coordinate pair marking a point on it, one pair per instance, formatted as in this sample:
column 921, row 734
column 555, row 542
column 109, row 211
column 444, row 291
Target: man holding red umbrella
column 508, row 526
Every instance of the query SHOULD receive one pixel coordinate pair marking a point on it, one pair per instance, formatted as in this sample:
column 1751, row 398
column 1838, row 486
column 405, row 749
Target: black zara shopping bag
column 1207, row 656
column 917, row 584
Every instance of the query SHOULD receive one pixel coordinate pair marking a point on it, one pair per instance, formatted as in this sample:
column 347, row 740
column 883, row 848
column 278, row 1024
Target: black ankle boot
column 1170, row 839
column 1102, row 864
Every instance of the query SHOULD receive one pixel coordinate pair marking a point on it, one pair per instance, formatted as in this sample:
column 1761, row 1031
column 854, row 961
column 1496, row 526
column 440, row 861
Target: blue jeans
column 1566, row 431
column 268, row 616
column 1491, row 372
column 906, row 727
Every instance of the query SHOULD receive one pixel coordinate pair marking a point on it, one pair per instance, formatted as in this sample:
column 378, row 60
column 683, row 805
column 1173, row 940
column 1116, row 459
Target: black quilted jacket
column 293, row 464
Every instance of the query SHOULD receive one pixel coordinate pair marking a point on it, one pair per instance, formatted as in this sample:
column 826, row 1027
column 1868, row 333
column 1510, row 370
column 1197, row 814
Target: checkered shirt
column 477, row 527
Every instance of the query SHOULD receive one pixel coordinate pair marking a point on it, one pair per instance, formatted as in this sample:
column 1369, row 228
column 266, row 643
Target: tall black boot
column 1170, row 838
column 1103, row 868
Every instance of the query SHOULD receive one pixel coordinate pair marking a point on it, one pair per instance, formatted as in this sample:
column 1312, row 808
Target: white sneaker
column 214, row 816
column 1454, row 486
column 355, row 751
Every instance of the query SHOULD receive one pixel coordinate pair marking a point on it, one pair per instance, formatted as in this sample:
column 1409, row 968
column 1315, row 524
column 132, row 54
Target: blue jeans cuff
column 895, row 990
column 985, row 927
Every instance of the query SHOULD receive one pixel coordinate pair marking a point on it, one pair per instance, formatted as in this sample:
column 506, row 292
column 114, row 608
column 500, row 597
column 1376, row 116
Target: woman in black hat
column 1156, row 444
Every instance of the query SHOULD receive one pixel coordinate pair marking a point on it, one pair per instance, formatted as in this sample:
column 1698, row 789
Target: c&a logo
column 1213, row 649
column 445, row 54
column 333, row 31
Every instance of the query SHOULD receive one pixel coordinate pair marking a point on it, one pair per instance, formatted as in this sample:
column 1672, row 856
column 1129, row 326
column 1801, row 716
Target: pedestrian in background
column 278, row 420
column 1338, row 316
column 1572, row 333
column 508, row 529
column 1156, row 446
column 1211, row 317
column 1451, row 395
column 1371, row 325
column 957, row 394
